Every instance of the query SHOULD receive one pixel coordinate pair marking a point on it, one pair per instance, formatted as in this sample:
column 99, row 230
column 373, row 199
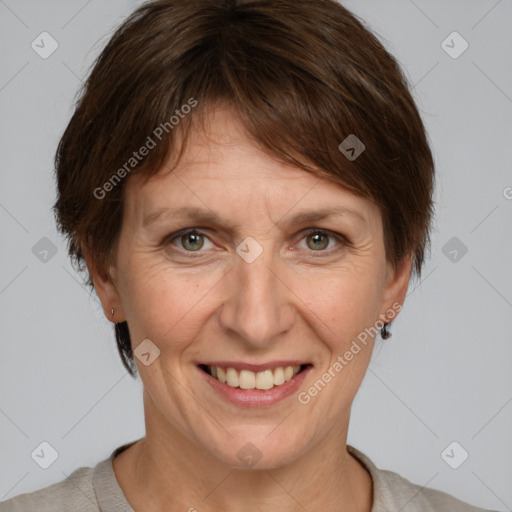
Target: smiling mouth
column 246, row 379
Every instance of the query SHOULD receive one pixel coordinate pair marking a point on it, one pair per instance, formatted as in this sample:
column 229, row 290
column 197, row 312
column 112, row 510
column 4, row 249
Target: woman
column 250, row 187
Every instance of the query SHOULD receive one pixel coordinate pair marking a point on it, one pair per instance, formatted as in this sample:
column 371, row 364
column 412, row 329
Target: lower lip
column 256, row 397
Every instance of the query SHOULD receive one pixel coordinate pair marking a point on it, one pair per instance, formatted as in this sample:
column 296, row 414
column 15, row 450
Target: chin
column 263, row 448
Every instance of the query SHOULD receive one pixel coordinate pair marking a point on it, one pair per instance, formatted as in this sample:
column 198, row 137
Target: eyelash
column 338, row 236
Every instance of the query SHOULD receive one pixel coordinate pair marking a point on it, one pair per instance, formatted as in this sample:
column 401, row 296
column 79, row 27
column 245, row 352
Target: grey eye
column 319, row 240
column 192, row 241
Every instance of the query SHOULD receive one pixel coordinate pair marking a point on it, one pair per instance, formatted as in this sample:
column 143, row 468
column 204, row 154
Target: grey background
column 445, row 375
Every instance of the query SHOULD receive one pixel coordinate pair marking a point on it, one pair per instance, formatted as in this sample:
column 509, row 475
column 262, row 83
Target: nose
column 258, row 309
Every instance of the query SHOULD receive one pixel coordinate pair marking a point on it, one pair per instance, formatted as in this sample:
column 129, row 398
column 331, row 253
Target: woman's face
column 255, row 284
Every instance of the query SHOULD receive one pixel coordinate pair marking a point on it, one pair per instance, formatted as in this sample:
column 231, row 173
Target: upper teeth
column 245, row 379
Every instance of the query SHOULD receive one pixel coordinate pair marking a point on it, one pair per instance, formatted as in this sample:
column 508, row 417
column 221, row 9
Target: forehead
column 223, row 167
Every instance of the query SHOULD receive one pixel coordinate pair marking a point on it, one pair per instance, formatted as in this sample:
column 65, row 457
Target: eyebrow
column 208, row 217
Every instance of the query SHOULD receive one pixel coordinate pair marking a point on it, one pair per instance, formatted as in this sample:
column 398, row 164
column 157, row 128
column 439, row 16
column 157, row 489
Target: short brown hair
column 302, row 75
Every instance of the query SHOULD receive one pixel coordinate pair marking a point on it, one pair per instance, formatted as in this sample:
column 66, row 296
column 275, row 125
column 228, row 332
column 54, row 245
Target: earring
column 384, row 331
column 112, row 312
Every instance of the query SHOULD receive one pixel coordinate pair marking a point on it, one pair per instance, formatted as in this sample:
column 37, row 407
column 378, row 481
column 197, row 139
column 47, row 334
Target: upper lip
column 240, row 365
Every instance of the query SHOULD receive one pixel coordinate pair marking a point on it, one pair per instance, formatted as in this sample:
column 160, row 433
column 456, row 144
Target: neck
column 166, row 471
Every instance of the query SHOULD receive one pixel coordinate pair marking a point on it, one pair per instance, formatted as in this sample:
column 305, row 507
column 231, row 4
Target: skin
column 294, row 301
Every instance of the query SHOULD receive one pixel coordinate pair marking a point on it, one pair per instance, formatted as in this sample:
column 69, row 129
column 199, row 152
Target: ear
column 106, row 288
column 395, row 289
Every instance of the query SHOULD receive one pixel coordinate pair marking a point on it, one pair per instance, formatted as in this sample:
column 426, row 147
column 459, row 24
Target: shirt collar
column 383, row 500
column 109, row 494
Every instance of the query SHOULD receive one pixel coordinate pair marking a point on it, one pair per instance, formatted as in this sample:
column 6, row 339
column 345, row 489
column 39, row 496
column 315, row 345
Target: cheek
column 162, row 303
column 345, row 302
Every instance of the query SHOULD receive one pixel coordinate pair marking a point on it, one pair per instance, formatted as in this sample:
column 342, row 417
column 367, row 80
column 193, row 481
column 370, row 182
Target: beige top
column 96, row 489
